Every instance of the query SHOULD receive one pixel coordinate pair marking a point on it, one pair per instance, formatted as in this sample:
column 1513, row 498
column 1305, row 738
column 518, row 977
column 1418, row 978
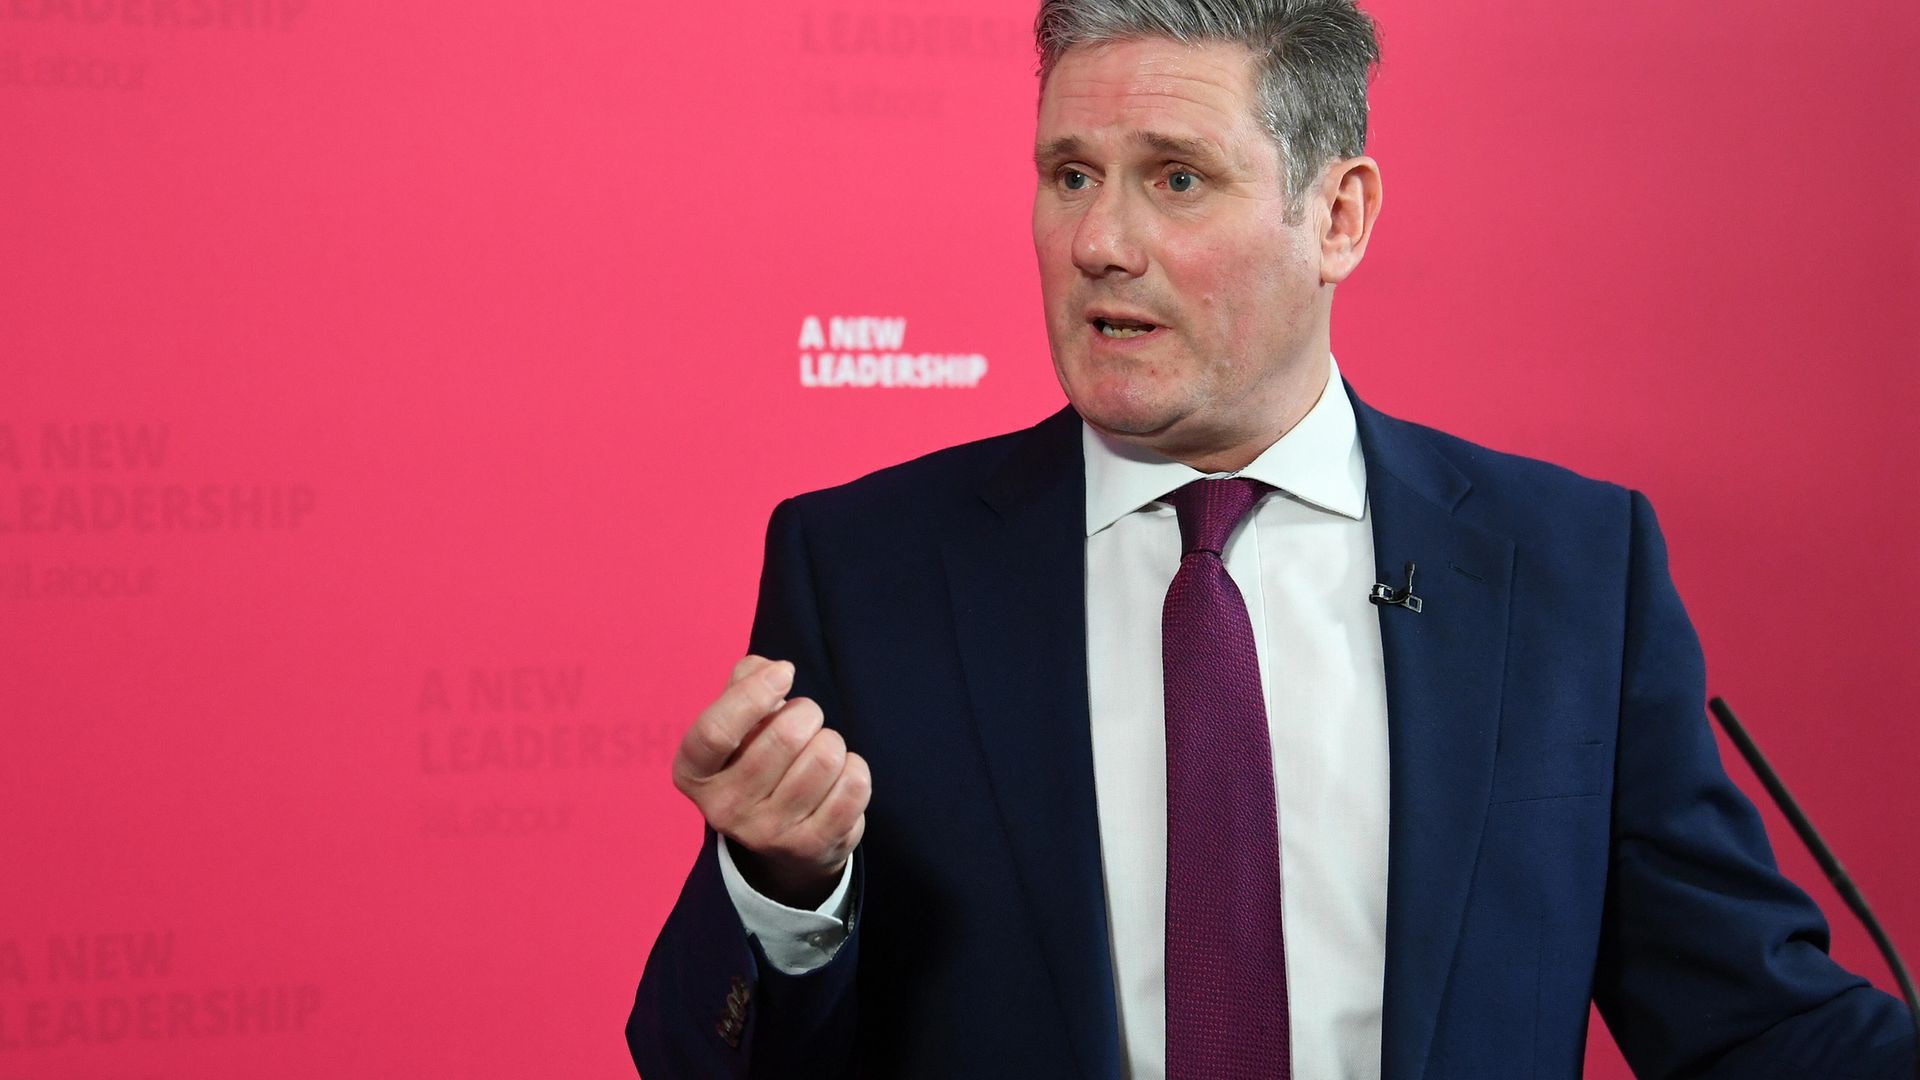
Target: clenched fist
column 788, row 795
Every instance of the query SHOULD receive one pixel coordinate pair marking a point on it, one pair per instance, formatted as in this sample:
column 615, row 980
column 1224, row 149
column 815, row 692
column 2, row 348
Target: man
column 1221, row 725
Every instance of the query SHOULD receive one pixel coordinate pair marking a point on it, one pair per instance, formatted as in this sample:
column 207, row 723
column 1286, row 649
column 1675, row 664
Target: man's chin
column 1122, row 411
column 1136, row 427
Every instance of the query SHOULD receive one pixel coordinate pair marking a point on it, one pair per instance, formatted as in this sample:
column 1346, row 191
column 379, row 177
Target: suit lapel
column 1444, row 671
column 1018, row 588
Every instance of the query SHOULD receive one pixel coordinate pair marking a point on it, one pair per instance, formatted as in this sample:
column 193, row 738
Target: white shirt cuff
column 795, row 941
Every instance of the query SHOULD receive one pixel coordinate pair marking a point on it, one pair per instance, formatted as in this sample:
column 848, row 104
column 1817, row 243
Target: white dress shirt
column 1303, row 559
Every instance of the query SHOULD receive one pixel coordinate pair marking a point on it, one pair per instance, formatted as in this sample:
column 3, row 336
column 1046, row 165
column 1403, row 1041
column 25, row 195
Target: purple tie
column 1226, row 959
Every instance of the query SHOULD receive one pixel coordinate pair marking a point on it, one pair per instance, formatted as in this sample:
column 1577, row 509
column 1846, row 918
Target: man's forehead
column 1151, row 94
column 1151, row 67
column 1150, row 61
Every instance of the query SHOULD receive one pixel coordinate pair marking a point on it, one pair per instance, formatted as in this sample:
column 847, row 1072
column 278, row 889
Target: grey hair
column 1312, row 61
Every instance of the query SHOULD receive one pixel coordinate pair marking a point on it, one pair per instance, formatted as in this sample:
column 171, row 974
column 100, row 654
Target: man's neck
column 1230, row 454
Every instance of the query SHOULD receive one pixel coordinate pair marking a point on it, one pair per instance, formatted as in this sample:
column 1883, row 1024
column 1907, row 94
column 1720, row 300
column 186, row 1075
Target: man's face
column 1184, row 313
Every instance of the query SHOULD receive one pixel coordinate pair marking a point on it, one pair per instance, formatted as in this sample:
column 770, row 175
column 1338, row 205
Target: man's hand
column 788, row 795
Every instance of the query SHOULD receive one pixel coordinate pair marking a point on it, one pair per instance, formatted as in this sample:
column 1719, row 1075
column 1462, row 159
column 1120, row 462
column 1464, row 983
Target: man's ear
column 1350, row 200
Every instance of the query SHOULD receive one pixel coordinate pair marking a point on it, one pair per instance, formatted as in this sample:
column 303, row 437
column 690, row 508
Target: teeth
column 1113, row 331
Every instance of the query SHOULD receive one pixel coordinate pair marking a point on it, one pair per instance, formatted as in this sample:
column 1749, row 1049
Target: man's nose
column 1108, row 239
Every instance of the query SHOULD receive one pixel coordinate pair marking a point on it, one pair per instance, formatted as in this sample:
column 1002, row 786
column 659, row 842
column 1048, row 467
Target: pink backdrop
column 366, row 372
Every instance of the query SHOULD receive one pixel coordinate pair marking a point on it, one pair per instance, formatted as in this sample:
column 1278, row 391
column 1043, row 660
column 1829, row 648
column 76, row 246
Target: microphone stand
column 1821, row 854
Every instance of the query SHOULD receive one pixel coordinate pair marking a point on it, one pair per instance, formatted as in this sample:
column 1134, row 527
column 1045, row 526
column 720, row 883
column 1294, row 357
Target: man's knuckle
column 827, row 752
column 748, row 698
column 825, row 805
column 841, row 807
column 684, row 782
column 706, row 740
column 831, row 742
column 788, row 735
column 859, row 778
column 709, row 731
column 854, row 782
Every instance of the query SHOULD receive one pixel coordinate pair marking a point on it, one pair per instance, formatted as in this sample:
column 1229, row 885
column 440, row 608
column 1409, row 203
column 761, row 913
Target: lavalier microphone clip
column 1387, row 596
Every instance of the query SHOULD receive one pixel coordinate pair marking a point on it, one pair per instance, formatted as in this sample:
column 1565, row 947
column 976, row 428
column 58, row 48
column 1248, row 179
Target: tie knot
column 1209, row 509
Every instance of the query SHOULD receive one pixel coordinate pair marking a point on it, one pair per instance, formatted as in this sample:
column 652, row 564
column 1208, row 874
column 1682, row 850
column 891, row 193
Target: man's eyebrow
column 1173, row 146
column 1053, row 150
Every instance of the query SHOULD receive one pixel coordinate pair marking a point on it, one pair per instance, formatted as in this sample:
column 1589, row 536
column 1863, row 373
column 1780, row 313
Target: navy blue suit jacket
column 1560, row 829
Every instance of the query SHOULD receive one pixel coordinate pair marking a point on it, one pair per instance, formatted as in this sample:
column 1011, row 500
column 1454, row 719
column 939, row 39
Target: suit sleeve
column 1712, row 963
column 705, row 968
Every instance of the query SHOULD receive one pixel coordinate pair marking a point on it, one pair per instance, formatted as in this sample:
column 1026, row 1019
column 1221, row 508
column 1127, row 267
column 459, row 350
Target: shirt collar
column 1318, row 462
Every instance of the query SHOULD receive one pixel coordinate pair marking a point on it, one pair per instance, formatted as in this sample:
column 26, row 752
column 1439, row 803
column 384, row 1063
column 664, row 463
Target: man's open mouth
column 1123, row 328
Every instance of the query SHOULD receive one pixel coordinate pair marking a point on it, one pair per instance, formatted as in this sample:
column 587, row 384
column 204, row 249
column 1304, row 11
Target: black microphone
column 1823, row 855
column 1386, row 595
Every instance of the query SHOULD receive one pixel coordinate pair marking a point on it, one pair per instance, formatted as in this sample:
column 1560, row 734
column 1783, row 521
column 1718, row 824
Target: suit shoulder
column 927, row 487
column 1522, row 494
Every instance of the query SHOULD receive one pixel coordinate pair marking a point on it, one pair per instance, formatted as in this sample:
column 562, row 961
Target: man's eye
column 1075, row 180
column 1181, row 180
